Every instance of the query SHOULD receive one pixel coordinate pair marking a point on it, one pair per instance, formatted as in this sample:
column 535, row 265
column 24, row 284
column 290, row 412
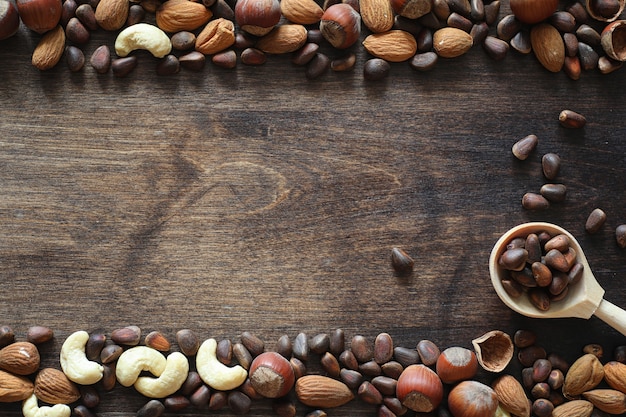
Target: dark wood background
column 256, row 200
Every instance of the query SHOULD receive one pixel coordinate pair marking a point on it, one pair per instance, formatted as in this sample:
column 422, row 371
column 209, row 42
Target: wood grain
column 255, row 199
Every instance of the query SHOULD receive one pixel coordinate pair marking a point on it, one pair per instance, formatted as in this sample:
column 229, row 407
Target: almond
column 584, row 374
column 322, row 392
column 49, row 50
column 20, row 358
column 112, row 14
column 14, row 388
column 304, row 12
column 392, row 46
column 451, row 42
column 512, row 396
column 53, row 387
column 216, row 36
column 610, row 401
column 575, row 408
column 178, row 15
column 548, row 46
column 377, row 15
column 615, row 375
column 283, row 39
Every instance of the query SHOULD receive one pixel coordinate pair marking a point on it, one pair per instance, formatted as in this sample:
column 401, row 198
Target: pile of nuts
column 560, row 389
column 553, row 192
column 216, row 375
column 541, row 266
column 320, row 37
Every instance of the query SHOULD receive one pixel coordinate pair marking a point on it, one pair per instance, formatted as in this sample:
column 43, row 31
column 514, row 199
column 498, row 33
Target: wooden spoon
column 584, row 299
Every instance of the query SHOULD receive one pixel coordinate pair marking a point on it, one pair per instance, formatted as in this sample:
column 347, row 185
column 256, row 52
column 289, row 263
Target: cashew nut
column 172, row 378
column 74, row 362
column 30, row 408
column 213, row 372
column 137, row 359
column 143, row 36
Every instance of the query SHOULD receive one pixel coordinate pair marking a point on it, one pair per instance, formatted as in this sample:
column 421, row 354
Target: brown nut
column 76, row 32
column 547, row 44
column 392, row 46
column 53, row 387
column 257, row 17
column 283, row 39
column 524, row 147
column 14, row 387
column 75, row 58
column 188, row 341
column 49, row 50
column 511, row 395
column 595, row 221
column 9, row 19
column 101, row 59
column 39, row 334
column 271, row 375
column 217, row 35
column 20, row 358
column 40, row 15
column 322, row 392
column 472, row 398
column 129, row 335
column 451, row 42
column 456, row 364
column 158, row 341
column 112, row 14
column 176, row 15
column 584, row 374
column 533, row 11
column 377, row 15
column 572, row 120
column 304, row 12
column 340, row 25
column 419, row 388
column 401, row 262
column 383, row 348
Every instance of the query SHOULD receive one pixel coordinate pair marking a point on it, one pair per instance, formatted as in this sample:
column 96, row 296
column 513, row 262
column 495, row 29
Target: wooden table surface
column 256, row 200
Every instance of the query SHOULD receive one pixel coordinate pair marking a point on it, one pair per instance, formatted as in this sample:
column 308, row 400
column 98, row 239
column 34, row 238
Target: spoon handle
column 612, row 315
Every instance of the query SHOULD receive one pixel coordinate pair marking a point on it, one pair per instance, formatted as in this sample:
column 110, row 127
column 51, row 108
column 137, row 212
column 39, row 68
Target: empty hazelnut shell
column 494, row 350
column 605, row 10
column 613, row 40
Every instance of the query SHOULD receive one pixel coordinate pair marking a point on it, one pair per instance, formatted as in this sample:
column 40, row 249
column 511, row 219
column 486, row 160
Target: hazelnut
column 9, row 19
column 472, row 399
column 341, row 25
column 40, row 15
column 257, row 17
column 271, row 375
column 419, row 388
column 456, row 364
column 533, row 11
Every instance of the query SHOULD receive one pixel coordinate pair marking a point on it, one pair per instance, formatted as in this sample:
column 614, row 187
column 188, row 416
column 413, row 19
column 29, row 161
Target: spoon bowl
column 584, row 299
